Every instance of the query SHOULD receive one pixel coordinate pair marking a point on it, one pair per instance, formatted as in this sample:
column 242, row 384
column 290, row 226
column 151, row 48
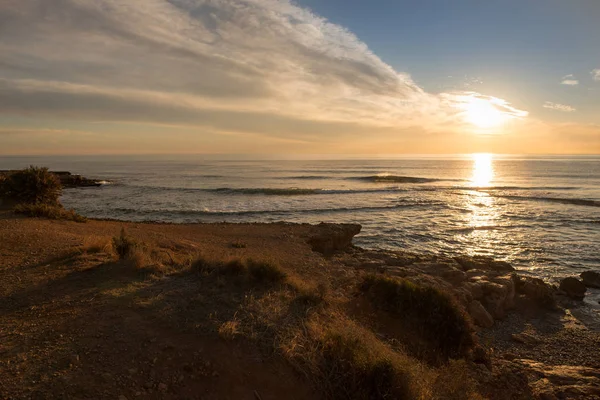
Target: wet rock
column 480, row 314
column 333, row 237
column 573, row 288
column 591, row 279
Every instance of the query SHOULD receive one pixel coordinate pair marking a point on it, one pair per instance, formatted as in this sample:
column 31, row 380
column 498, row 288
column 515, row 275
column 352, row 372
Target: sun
column 483, row 114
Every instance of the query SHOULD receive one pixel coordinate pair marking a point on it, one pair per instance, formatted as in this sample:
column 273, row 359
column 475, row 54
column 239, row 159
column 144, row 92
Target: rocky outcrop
column 535, row 290
column 591, row 279
column 487, row 288
column 573, row 288
column 69, row 180
column 331, row 238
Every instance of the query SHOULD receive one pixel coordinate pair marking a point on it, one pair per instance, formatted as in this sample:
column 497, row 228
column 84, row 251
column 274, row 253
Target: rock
column 480, row 314
column 536, row 290
column 525, row 338
column 591, row 279
column 454, row 276
column 162, row 387
column 475, row 288
column 333, row 237
column 495, row 299
column 573, row 288
column 508, row 282
column 484, row 263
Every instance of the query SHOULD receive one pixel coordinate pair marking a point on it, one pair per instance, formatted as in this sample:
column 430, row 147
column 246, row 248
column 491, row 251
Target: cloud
column 258, row 66
column 558, row 107
column 569, row 80
column 596, row 74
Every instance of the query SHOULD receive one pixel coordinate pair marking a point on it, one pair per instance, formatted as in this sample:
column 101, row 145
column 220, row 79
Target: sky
column 339, row 77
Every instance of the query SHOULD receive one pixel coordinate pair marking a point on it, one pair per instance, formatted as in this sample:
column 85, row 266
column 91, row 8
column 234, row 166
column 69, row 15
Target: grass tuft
column 49, row 211
column 434, row 314
column 354, row 366
column 96, row 244
column 264, row 271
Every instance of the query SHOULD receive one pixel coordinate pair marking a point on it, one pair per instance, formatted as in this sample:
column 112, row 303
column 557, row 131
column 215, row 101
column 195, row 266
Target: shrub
column 353, row 367
column 435, row 315
column 202, row 266
column 233, row 267
column 265, row 271
column 124, row 245
column 33, row 185
column 48, row 211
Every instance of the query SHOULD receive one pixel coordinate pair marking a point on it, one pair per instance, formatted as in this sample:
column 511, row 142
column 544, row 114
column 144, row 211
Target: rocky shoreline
column 541, row 333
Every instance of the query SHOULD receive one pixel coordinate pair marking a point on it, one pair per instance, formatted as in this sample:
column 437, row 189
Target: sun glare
column 483, row 114
column 483, row 170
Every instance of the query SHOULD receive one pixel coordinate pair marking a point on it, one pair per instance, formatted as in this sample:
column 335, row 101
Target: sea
column 540, row 213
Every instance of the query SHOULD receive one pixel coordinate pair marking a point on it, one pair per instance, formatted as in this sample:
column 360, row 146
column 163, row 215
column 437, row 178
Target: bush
column 434, row 314
column 265, row 271
column 48, row 211
column 354, row 368
column 33, row 185
column 124, row 245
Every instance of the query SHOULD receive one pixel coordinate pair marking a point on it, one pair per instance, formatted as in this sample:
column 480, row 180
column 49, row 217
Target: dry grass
column 229, row 330
column 97, row 244
column 40, row 210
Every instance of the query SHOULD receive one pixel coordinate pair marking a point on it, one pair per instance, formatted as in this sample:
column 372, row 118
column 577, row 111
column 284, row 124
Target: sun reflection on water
column 483, row 169
column 484, row 216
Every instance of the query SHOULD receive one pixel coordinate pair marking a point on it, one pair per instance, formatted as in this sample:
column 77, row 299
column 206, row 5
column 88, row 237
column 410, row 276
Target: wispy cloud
column 558, row 107
column 596, row 74
column 264, row 66
column 569, row 80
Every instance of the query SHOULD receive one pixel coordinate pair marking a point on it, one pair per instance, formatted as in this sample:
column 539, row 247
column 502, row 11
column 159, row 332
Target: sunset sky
column 306, row 77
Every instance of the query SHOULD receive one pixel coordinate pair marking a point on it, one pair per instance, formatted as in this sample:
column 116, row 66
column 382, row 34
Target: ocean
column 542, row 213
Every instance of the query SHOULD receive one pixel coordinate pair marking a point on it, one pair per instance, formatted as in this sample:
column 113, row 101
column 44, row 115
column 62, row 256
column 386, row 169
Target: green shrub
column 48, row 211
column 434, row 314
column 33, row 185
column 124, row 245
column 265, row 271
